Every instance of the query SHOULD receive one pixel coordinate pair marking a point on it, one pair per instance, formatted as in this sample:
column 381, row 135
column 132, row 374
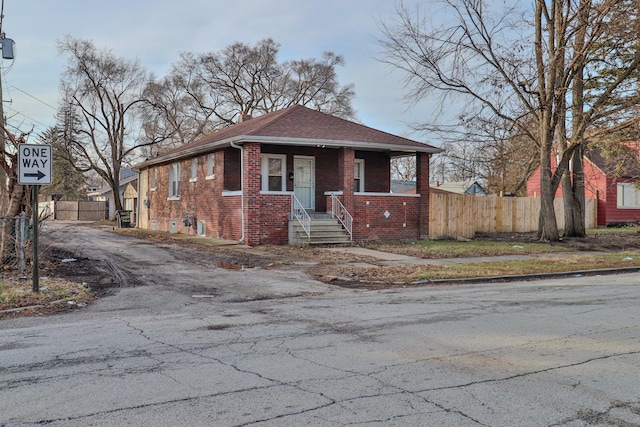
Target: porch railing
column 340, row 212
column 299, row 213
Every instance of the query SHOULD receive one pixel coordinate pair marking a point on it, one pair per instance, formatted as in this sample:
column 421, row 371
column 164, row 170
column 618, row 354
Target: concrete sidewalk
column 389, row 259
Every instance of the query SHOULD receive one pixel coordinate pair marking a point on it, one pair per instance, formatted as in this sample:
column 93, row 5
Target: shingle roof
column 460, row 187
column 409, row 187
column 625, row 165
column 297, row 125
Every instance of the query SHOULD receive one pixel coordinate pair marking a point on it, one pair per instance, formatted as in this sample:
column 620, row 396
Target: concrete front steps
column 325, row 230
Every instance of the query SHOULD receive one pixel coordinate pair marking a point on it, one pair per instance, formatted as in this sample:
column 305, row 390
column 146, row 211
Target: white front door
column 304, row 177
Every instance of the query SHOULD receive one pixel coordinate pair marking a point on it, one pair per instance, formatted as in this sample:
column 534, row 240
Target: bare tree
column 520, row 74
column 499, row 155
column 99, row 116
column 404, row 168
column 67, row 183
column 19, row 196
column 212, row 90
column 180, row 107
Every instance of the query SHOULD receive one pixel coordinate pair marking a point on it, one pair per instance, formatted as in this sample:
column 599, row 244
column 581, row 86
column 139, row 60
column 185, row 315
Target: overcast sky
column 155, row 31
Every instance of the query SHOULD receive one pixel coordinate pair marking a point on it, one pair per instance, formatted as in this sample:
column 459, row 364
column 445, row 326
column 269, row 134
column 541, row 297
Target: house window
column 194, row 170
column 174, row 181
column 628, row 195
column 154, row 179
column 272, row 172
column 358, row 175
column 211, row 166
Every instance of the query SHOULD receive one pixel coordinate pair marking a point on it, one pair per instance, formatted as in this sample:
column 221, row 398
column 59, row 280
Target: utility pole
column 4, row 189
column 7, row 53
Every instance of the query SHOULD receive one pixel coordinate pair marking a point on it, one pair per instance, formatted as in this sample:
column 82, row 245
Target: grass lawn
column 459, row 249
column 55, row 295
column 606, row 248
column 603, row 248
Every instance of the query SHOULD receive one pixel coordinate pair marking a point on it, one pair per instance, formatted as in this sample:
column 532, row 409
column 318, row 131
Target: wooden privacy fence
column 75, row 211
column 456, row 215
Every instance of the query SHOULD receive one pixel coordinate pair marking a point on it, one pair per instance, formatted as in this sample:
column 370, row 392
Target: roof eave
column 273, row 140
column 331, row 143
column 189, row 152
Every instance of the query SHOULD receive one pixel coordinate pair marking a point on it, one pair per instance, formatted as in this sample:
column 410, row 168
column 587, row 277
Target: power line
column 34, row 97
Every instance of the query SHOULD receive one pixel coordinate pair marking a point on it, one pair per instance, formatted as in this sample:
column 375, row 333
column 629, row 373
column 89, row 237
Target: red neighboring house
column 609, row 181
column 287, row 177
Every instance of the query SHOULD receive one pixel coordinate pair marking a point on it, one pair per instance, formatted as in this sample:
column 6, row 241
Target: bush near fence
column 456, row 215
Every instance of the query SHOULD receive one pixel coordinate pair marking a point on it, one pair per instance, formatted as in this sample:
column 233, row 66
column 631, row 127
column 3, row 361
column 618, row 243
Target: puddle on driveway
column 230, row 265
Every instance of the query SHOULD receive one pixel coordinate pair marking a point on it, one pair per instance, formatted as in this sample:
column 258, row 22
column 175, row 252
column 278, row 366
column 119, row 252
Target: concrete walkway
column 389, row 259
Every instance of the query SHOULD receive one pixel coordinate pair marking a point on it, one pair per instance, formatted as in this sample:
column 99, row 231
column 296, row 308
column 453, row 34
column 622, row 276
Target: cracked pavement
column 275, row 348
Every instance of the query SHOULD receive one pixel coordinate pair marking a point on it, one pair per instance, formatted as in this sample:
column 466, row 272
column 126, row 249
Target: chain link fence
column 15, row 243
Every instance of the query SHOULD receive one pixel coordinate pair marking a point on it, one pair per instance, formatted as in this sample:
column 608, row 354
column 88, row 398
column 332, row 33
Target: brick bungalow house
column 611, row 181
column 286, row 177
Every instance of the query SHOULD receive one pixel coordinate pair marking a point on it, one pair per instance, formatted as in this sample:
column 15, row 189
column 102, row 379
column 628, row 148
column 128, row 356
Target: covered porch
column 286, row 188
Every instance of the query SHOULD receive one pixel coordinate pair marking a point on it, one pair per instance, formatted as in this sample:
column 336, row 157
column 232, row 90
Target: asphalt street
column 562, row 352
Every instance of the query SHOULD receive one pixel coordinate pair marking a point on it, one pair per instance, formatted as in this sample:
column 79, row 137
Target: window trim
column 194, row 170
column 264, row 172
column 174, row 177
column 620, row 191
column 361, row 168
column 154, row 179
column 211, row 166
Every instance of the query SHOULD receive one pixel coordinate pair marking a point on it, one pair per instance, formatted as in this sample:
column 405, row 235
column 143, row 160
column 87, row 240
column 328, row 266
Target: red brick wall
column 202, row 199
column 422, row 188
column 266, row 215
column 252, row 193
column 232, row 169
column 346, row 157
column 326, row 176
column 378, row 217
column 274, row 219
column 230, row 218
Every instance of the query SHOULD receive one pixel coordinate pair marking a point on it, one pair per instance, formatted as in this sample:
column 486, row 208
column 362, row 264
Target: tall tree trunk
column 574, row 212
column 16, row 202
column 547, row 116
column 547, row 224
column 573, row 181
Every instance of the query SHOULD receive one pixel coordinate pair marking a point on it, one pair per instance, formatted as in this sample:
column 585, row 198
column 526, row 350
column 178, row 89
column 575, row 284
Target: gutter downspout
column 239, row 147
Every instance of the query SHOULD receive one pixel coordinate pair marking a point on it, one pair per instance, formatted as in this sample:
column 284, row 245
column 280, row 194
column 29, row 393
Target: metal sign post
column 35, row 169
column 35, row 286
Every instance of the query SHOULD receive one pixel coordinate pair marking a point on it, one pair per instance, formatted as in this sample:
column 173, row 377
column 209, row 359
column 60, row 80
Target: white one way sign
column 34, row 164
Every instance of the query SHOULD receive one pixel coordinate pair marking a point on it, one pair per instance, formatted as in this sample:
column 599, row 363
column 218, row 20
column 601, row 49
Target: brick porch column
column 422, row 188
column 346, row 159
column 251, row 193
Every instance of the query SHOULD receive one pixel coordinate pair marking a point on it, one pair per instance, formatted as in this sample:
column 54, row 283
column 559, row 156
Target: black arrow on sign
column 38, row 175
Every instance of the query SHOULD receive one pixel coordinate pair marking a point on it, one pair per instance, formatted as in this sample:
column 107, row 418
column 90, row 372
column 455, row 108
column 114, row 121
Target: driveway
column 183, row 342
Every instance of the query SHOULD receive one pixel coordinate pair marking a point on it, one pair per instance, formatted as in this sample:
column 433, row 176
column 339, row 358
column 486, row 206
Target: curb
column 488, row 279
column 527, row 277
